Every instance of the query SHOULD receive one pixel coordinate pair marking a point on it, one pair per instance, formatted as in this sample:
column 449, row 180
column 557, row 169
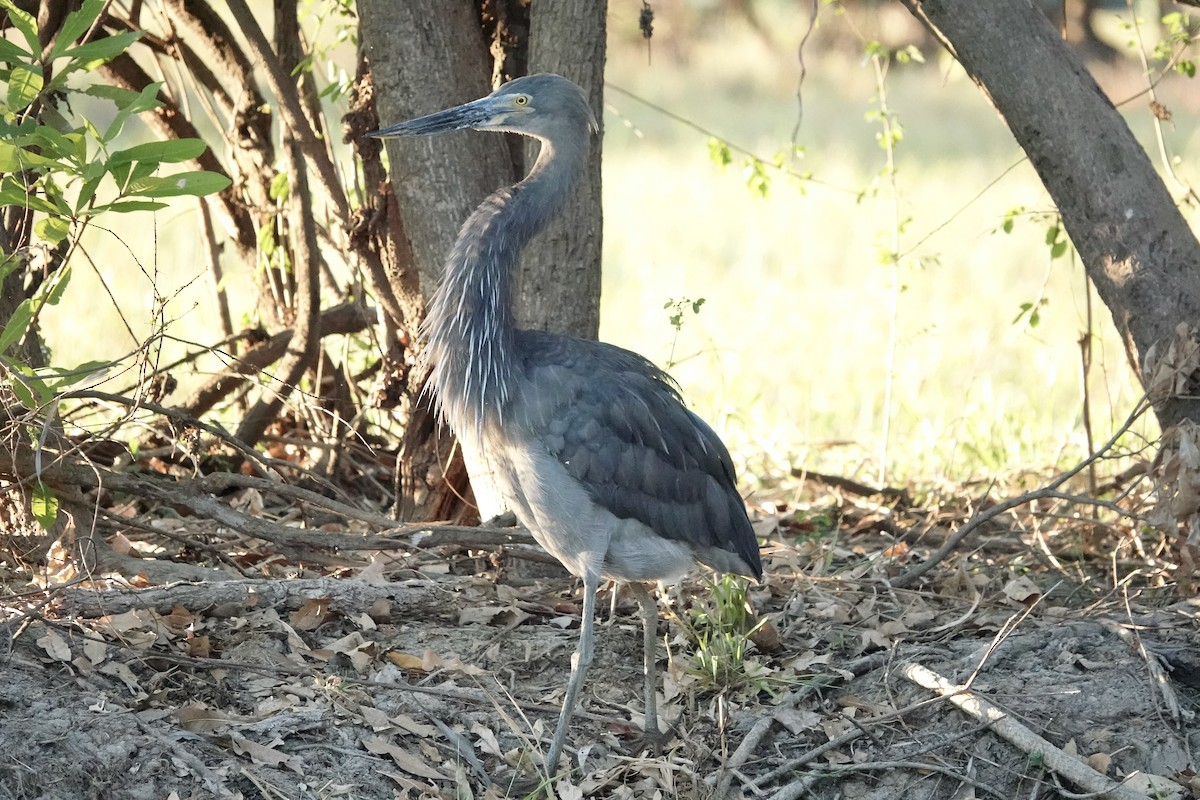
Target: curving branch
column 305, row 339
column 170, row 123
column 291, row 108
column 346, row 318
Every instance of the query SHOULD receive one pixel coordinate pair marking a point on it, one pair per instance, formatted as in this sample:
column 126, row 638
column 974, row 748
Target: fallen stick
column 345, row 596
column 1054, row 758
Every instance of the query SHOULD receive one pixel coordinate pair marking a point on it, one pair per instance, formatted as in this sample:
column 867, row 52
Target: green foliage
column 1057, row 244
column 44, row 505
column 1179, row 33
column 343, row 17
column 756, row 177
column 67, row 174
column 1031, row 310
column 1057, row 240
column 721, row 632
column 677, row 309
column 720, row 152
column 757, row 171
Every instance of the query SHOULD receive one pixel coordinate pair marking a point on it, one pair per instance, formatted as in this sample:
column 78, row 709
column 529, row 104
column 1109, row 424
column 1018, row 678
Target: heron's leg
column 649, row 638
column 579, row 667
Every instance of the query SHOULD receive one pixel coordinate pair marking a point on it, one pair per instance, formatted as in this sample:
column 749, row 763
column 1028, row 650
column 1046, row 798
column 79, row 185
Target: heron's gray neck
column 470, row 328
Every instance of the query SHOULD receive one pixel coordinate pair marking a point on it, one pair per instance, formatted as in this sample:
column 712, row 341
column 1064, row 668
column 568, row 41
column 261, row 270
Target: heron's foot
column 654, row 741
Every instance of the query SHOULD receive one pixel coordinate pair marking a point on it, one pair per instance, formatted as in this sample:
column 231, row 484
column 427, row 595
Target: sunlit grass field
column 804, row 323
column 792, row 351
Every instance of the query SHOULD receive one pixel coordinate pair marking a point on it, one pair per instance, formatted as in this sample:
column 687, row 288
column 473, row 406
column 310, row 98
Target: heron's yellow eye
column 521, row 100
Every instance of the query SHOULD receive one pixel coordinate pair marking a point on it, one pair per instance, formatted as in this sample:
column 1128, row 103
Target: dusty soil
column 408, row 676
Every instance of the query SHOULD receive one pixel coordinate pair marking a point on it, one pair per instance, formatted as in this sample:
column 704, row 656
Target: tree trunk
column 1135, row 245
column 424, row 62
column 559, row 285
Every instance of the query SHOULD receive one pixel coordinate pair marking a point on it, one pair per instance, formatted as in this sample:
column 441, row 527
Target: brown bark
column 304, row 344
column 421, row 63
column 346, row 318
column 558, row 288
column 1135, row 245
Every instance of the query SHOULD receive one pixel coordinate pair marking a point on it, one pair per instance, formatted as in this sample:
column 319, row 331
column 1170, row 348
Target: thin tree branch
column 305, row 339
column 290, row 107
column 1050, row 490
column 346, row 318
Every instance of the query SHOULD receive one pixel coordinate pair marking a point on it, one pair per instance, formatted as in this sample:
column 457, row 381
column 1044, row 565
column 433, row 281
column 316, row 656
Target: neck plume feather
column 469, row 330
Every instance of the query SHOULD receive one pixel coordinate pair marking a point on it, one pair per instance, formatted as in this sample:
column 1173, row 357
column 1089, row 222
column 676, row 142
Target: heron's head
column 544, row 106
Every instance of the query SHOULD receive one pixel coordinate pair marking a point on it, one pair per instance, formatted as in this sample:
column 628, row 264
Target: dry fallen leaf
column 501, row 616
column 261, row 754
column 429, row 661
column 1100, row 762
column 55, row 646
column 375, row 718
column 404, row 760
column 372, row 574
column 199, row 718
column 95, row 651
column 123, row 673
column 311, row 615
column 487, row 741
column 1022, row 590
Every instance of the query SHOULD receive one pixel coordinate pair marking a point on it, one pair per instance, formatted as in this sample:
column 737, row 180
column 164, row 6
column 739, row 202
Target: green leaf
column 267, row 245
column 125, row 206
column 16, row 159
column 52, row 229
column 146, row 100
column 88, row 56
column 24, row 85
column 76, row 25
column 16, row 326
column 87, row 192
column 122, row 97
column 13, row 53
column 59, row 379
column 279, row 187
column 8, row 264
column 24, row 395
column 171, row 151
column 24, row 23
column 719, row 153
column 141, row 170
column 1025, row 307
column 44, row 505
column 12, row 193
column 1058, row 248
column 120, row 173
column 53, row 144
column 59, row 285
column 184, row 183
column 1052, row 234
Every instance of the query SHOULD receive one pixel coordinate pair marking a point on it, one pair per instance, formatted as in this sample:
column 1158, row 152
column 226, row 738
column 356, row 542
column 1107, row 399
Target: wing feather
column 619, row 426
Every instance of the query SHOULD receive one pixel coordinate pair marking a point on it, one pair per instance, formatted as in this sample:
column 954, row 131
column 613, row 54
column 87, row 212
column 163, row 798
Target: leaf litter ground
column 434, row 671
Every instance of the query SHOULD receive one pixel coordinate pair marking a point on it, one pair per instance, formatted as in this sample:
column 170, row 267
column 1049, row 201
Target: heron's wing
column 618, row 425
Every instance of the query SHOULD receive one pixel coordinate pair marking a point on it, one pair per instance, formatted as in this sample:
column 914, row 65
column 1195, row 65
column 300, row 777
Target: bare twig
column 303, row 344
column 291, row 109
column 1050, row 490
column 1055, row 759
column 346, row 318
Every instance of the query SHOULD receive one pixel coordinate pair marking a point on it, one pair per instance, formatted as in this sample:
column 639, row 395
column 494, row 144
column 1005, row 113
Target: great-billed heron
column 589, row 444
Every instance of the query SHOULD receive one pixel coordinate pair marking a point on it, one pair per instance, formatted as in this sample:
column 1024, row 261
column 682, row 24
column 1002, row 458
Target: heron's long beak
column 468, row 115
